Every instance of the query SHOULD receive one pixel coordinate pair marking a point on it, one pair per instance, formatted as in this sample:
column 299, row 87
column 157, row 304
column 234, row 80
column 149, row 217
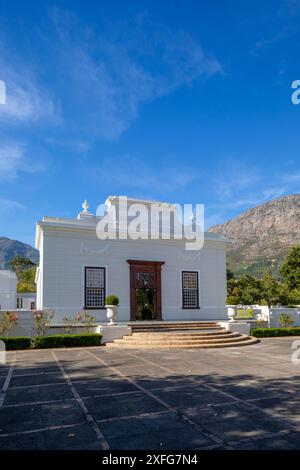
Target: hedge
column 273, row 332
column 13, row 343
column 66, row 341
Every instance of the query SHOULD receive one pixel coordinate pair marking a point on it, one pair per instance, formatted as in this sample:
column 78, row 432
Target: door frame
column 148, row 266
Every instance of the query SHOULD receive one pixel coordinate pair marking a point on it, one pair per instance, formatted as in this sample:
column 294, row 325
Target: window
column 190, row 289
column 94, row 286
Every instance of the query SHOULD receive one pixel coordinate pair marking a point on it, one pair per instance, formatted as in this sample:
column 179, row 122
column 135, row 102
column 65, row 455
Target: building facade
column 154, row 279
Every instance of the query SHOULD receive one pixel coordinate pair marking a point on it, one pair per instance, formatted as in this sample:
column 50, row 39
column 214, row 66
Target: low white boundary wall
column 25, row 323
column 272, row 315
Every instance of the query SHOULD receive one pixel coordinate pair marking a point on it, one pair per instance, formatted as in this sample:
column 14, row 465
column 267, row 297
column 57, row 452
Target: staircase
column 181, row 335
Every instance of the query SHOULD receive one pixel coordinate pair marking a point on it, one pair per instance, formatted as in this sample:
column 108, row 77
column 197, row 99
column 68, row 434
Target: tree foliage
column 249, row 290
column 290, row 269
column 25, row 271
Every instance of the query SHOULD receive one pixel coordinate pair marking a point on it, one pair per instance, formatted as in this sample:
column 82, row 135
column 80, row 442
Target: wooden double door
column 145, row 290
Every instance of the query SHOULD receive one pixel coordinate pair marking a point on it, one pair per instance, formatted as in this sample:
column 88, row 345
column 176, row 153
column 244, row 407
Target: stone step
column 186, row 342
column 170, row 337
column 177, row 328
column 244, row 340
column 180, row 334
column 179, row 324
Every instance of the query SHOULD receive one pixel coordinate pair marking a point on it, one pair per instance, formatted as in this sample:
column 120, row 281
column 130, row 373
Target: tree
column 27, row 281
column 250, row 296
column 290, row 268
column 21, row 263
column 249, row 290
column 270, row 289
column 25, row 271
column 230, row 274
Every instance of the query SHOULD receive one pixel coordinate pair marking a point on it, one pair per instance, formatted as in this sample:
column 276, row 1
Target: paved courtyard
column 96, row 398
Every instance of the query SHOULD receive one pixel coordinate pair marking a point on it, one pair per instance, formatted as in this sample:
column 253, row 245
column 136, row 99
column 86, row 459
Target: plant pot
column 111, row 313
column 232, row 310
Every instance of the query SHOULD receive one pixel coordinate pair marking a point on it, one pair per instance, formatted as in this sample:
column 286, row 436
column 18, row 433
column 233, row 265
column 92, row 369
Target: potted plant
column 232, row 307
column 111, row 304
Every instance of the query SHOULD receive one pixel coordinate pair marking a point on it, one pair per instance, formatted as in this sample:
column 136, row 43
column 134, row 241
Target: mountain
column 10, row 248
column 262, row 236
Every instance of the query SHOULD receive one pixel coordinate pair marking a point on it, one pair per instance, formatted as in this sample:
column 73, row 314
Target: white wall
column 275, row 313
column 66, row 253
column 25, row 301
column 25, row 323
column 8, row 289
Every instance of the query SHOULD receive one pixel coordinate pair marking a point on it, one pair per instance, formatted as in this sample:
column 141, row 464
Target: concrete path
column 98, row 398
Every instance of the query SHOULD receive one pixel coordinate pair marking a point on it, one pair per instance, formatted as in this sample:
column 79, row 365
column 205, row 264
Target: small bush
column 66, row 341
column 232, row 300
column 8, row 321
column 14, row 343
column 111, row 300
column 285, row 320
column 273, row 332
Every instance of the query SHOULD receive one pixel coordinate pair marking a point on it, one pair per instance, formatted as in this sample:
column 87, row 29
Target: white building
column 8, row 290
column 154, row 279
column 26, row 300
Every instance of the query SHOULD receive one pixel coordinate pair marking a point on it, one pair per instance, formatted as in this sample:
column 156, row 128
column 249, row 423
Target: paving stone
column 37, row 394
column 77, row 438
column 163, row 421
column 123, row 405
column 31, row 417
column 104, row 387
column 243, row 427
column 79, row 374
column 187, row 438
column 39, row 379
column 285, row 407
column 19, row 419
column 141, row 442
column 33, row 441
column 286, row 442
column 20, row 370
column 192, row 396
column 122, row 427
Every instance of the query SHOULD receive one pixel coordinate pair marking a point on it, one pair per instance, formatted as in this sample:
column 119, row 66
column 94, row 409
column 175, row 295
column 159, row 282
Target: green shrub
column 285, row 320
column 273, row 332
column 232, row 300
column 17, row 342
column 244, row 313
column 66, row 341
column 111, row 300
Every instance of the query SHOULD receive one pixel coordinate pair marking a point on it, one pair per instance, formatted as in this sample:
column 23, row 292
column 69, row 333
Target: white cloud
column 234, row 179
column 26, row 100
column 8, row 204
column 241, row 187
column 111, row 75
column 13, row 160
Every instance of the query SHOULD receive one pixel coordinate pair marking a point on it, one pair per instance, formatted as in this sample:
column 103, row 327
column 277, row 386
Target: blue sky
column 183, row 101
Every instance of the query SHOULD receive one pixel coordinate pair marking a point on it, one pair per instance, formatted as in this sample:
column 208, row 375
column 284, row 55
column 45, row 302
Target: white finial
column 85, row 206
column 193, row 217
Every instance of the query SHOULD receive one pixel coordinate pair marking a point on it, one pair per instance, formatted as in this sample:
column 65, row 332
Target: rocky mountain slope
column 10, row 248
column 262, row 236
